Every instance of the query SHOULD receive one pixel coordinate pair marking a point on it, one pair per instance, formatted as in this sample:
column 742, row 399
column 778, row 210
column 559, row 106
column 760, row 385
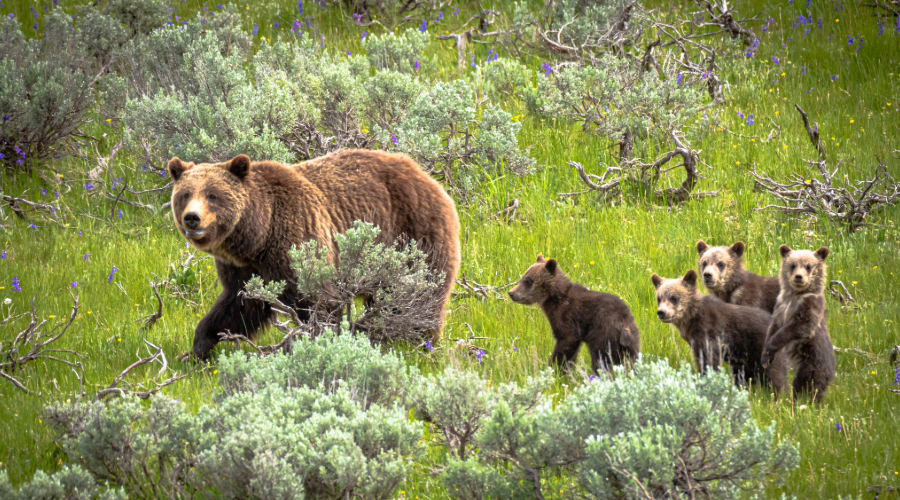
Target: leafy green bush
column 397, row 52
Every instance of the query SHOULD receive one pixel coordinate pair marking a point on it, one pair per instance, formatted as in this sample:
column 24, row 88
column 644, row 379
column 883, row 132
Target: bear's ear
column 540, row 258
column 737, row 248
column 551, row 266
column 239, row 166
column 690, row 279
column 822, row 253
column 701, row 247
column 785, row 250
column 656, row 279
column 177, row 168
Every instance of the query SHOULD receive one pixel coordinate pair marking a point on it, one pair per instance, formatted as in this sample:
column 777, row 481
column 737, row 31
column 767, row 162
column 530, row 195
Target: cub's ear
column 656, row 279
column 701, row 247
column 239, row 166
column 177, row 168
column 737, row 248
column 690, row 279
column 550, row 266
column 540, row 258
column 822, row 253
column 785, row 250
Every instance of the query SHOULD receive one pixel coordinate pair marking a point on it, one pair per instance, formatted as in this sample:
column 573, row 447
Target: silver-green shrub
column 397, row 52
column 658, row 433
column 69, row 483
column 328, row 421
column 46, row 89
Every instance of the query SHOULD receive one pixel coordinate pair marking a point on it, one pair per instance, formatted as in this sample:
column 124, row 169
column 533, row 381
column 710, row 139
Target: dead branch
column 33, row 343
column 690, row 158
column 508, row 213
column 844, row 296
column 813, row 134
column 157, row 355
column 285, row 345
column 151, row 319
column 460, row 39
column 891, row 8
column 870, row 358
column 474, row 289
column 595, row 183
column 21, row 207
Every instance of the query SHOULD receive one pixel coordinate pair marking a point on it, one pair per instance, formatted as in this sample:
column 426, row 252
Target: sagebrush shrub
column 69, row 483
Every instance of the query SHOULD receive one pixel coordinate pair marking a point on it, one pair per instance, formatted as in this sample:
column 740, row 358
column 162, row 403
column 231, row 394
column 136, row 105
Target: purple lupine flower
column 296, row 27
column 750, row 119
column 32, row 226
column 849, row 40
column 33, row 12
column 548, row 70
column 5, row 118
column 120, row 213
column 88, row 186
column 11, row 16
column 807, row 3
column 593, row 378
column 752, row 48
column 3, row 255
column 416, row 65
column 880, row 27
column 275, row 24
column 15, row 284
column 424, row 26
column 516, row 349
column 455, row 12
column 810, row 90
column 322, row 44
column 473, row 60
column 896, row 376
column 364, row 35
column 299, row 7
column 74, row 284
column 255, row 29
column 833, row 78
column 440, row 17
column 394, row 139
column 357, row 18
column 679, row 78
column 775, row 60
column 349, row 53
column 839, row 428
column 112, row 274
column 219, row 6
column 429, row 346
column 87, row 256
column 480, row 355
column 43, row 192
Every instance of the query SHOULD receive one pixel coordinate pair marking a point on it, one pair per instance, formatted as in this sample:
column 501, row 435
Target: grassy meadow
column 850, row 445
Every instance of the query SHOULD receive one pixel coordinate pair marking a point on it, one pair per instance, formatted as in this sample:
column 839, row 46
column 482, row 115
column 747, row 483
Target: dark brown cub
column 723, row 273
column 576, row 314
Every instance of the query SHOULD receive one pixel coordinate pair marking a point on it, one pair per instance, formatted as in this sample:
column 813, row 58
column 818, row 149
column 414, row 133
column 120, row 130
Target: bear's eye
column 187, row 196
column 674, row 300
column 659, row 300
column 703, row 264
column 721, row 265
column 793, row 266
column 808, row 268
column 211, row 197
column 527, row 282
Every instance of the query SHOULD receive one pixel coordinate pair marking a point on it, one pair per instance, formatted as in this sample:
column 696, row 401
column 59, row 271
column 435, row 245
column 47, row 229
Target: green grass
column 608, row 248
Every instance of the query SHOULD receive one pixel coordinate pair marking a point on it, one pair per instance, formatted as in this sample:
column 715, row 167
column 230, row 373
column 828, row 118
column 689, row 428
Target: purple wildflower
column 548, row 70
column 32, row 226
column 219, row 6
column 896, row 376
column 455, row 12
column 112, row 274
column 255, row 29
column 5, row 118
column 43, row 192
column 74, row 284
column 33, row 12
column 15, row 284
column 3, row 255
column 299, row 7
column 87, row 256
column 424, row 26
column 810, row 90
column 679, row 78
column 349, row 53
column 88, row 186
column 473, row 61
column 275, row 24
column 516, row 349
column 839, row 428
column 416, row 65
column 429, row 346
column 364, row 35
column 120, row 213
column 394, row 139
column 480, row 355
column 440, row 17
column 833, row 78
column 750, row 119
column 849, row 40
column 880, row 27
column 775, row 60
column 11, row 16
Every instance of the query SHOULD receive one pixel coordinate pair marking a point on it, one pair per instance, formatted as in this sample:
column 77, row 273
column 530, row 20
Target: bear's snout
column 661, row 314
column 191, row 220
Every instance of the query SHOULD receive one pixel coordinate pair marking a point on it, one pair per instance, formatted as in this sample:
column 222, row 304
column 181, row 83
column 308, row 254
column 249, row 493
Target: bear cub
column 576, row 314
column 799, row 326
column 717, row 331
column 723, row 273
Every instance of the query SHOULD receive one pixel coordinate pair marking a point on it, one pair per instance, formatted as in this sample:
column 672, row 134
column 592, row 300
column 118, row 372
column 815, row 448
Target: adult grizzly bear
column 601, row 320
column 248, row 215
column 717, row 331
column 799, row 326
column 723, row 273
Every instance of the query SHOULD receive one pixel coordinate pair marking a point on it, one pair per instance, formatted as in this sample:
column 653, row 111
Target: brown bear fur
column 248, row 215
column 601, row 320
column 799, row 326
column 723, row 273
column 718, row 331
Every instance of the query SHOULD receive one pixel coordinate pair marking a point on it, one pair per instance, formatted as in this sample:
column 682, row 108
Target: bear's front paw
column 186, row 356
column 767, row 358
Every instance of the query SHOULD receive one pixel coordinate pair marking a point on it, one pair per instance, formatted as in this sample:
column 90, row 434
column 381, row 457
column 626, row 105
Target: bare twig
column 813, row 133
column 597, row 183
column 844, row 296
column 508, row 213
column 870, row 357
column 690, row 157
column 483, row 291
column 156, row 354
column 151, row 319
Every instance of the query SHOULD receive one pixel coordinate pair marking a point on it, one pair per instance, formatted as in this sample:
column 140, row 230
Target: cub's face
column 718, row 264
column 674, row 297
column 803, row 270
column 533, row 286
column 208, row 199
